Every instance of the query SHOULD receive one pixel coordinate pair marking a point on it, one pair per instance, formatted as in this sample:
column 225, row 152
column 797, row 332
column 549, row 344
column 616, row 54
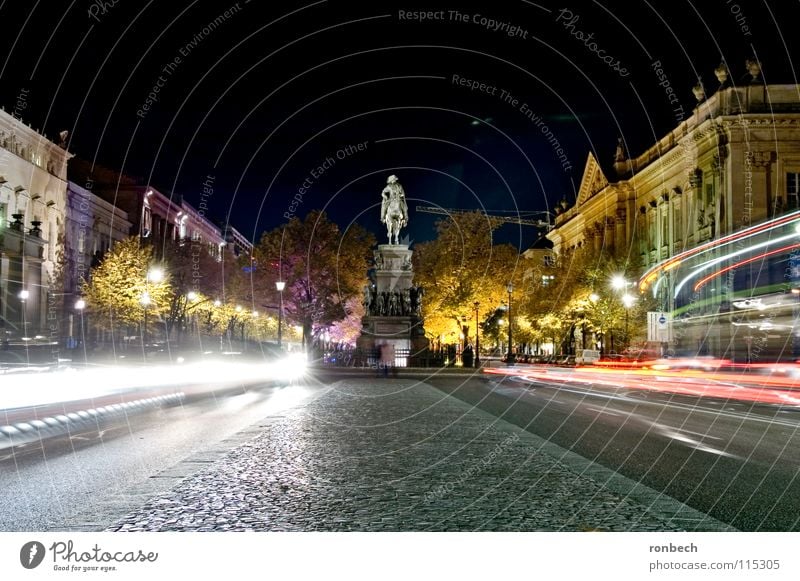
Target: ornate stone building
column 155, row 216
column 33, row 187
column 92, row 227
column 734, row 163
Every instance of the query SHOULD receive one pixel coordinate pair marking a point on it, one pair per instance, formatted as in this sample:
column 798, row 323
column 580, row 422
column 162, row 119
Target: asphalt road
column 735, row 460
column 87, row 480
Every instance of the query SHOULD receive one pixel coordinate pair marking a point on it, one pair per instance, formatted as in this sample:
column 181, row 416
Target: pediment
column 593, row 180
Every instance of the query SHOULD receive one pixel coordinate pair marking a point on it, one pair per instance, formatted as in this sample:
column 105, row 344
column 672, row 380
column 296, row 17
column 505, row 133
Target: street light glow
column 145, row 299
column 280, row 285
column 628, row 300
column 80, row 304
column 155, row 274
column 24, row 294
column 191, row 295
column 594, row 297
column 618, row 282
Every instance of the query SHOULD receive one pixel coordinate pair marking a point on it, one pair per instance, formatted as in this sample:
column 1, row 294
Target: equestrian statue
column 394, row 210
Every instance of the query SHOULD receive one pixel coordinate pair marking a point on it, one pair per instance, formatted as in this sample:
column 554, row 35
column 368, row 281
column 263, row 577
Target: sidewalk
column 372, row 454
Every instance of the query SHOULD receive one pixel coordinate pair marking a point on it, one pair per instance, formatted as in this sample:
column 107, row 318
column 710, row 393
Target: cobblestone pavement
column 391, row 455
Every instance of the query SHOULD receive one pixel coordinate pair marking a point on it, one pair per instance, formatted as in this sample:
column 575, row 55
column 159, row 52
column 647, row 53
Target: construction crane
column 522, row 218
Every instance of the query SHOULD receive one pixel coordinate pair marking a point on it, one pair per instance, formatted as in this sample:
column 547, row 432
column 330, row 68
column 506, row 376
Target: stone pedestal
column 393, row 270
column 393, row 311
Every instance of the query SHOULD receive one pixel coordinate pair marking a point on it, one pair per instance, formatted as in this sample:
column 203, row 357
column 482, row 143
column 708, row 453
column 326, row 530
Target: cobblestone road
column 391, row 455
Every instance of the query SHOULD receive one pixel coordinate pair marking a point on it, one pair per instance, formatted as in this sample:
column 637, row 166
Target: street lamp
column 600, row 335
column 155, row 274
column 80, row 304
column 280, row 285
column 618, row 282
column 510, row 356
column 144, row 300
column 627, row 301
column 23, row 296
column 477, row 338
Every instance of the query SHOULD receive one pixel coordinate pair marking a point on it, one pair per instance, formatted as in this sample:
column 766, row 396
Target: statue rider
column 394, row 209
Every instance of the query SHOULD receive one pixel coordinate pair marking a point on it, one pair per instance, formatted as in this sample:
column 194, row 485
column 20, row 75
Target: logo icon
column 31, row 554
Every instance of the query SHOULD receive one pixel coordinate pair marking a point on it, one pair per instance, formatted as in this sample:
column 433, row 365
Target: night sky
column 265, row 96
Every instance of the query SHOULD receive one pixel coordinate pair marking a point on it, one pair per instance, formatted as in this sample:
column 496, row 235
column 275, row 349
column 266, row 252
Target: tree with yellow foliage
column 460, row 267
column 119, row 288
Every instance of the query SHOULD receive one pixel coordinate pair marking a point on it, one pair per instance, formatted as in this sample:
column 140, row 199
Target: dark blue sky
column 260, row 94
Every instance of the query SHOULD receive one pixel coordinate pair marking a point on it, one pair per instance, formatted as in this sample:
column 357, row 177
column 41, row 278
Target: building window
column 549, row 260
column 147, row 222
column 709, row 201
column 792, row 191
column 676, row 223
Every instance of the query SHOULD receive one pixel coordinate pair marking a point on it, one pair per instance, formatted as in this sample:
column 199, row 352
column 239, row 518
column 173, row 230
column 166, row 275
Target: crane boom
column 515, row 219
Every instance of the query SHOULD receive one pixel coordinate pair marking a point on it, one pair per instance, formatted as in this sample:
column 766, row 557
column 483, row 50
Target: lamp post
column 144, row 300
column 593, row 298
column 477, row 337
column 620, row 284
column 627, row 301
column 80, row 304
column 510, row 356
column 154, row 275
column 23, row 297
column 280, row 285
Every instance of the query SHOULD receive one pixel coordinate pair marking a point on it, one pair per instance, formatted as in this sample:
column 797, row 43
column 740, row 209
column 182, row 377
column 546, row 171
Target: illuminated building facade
column 33, row 187
column 692, row 215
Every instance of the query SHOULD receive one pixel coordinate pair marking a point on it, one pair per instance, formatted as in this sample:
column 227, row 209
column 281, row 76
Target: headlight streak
column 703, row 281
column 715, row 261
column 725, row 385
column 654, row 272
column 60, row 393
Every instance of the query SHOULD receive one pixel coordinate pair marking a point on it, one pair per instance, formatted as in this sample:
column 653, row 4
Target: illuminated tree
column 462, row 266
column 322, row 267
column 119, row 283
column 347, row 330
column 194, row 271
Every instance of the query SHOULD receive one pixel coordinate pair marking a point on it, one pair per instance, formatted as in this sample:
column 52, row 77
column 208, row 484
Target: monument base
column 404, row 333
